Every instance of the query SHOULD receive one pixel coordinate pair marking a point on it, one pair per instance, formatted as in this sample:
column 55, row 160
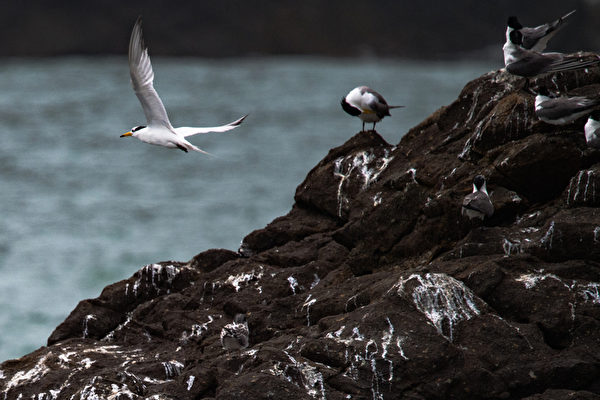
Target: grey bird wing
column 532, row 63
column 189, row 131
column 564, row 106
column 568, row 63
column 479, row 201
column 378, row 104
column 537, row 38
column 142, row 79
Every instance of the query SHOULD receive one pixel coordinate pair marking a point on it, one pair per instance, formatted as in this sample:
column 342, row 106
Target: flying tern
column 158, row 130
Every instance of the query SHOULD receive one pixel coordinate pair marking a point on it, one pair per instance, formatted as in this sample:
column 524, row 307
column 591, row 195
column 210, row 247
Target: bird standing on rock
column 562, row 110
column 478, row 203
column 234, row 336
column 528, row 64
column 366, row 104
column 159, row 131
column 536, row 38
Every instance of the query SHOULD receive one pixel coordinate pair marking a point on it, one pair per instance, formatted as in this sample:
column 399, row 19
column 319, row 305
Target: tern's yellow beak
column 127, row 134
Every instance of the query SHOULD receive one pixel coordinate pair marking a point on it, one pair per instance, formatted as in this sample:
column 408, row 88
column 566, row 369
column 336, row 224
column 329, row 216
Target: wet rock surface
column 373, row 286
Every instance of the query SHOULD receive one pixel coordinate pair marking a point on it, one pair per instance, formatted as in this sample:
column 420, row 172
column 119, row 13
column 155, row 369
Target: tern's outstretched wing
column 537, row 38
column 189, row 131
column 142, row 78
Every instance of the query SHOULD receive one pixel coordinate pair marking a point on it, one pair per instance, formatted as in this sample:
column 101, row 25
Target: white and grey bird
column 158, row 130
column 592, row 129
column 234, row 336
column 366, row 104
column 528, row 63
column 536, row 38
column 478, row 203
column 562, row 110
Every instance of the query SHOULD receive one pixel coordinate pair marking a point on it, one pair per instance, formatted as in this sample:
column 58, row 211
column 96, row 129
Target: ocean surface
column 81, row 208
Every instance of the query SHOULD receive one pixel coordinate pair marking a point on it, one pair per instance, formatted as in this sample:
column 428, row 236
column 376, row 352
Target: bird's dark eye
column 137, row 128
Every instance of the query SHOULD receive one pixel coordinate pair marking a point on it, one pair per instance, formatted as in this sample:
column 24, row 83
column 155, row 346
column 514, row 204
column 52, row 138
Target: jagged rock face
column 373, row 286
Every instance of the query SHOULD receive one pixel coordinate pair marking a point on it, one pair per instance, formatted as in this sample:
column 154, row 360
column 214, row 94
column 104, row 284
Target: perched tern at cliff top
column 159, row 130
column 536, row 38
column 478, row 203
column 592, row 129
column 527, row 63
column 562, row 110
column 366, row 104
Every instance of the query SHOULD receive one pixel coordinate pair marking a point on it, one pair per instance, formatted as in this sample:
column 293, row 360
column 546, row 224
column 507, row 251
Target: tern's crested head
column 595, row 115
column 513, row 22
column 134, row 131
column 479, row 183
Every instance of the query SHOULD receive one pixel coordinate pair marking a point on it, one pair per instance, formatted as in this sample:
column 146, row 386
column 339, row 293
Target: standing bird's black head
column 514, row 23
column 543, row 91
column 479, row 182
column 595, row 115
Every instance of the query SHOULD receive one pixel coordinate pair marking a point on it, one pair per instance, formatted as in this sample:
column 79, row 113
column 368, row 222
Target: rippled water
column 82, row 208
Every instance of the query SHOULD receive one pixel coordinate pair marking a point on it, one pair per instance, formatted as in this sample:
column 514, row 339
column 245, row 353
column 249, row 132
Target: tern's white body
column 592, row 131
column 159, row 130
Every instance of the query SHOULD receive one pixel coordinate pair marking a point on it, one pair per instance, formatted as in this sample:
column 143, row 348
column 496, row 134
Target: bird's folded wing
column 189, row 131
column 479, row 201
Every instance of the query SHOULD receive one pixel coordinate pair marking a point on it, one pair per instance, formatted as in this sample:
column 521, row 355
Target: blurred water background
column 81, row 208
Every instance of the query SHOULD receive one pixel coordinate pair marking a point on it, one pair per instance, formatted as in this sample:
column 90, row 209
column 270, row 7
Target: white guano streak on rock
column 293, row 283
column 532, row 280
column 368, row 166
column 30, row 376
column 236, row 281
column 546, row 240
column 304, row 375
column 510, row 248
column 154, row 272
column 190, row 382
column 172, row 368
column 591, row 292
column 307, row 303
column 86, row 320
column 442, row 299
column 315, row 282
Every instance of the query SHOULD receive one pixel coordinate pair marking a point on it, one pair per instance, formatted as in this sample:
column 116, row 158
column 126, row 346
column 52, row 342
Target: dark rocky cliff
column 373, row 286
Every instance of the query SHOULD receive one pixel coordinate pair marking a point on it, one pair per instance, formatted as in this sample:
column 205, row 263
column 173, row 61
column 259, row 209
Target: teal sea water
column 81, row 208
